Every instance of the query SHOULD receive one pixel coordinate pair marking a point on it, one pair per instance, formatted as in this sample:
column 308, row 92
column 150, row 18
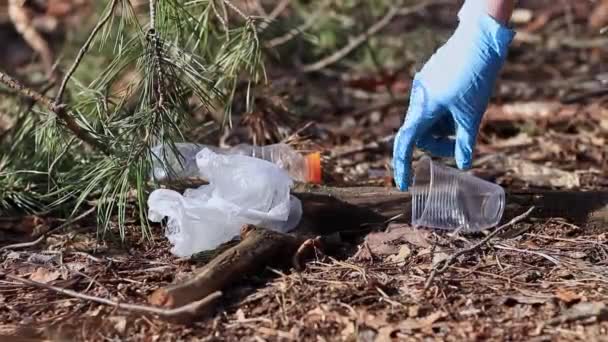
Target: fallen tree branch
column 258, row 248
column 442, row 266
column 187, row 311
column 372, row 30
column 83, row 50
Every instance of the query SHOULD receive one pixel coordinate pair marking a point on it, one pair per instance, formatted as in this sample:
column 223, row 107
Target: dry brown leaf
column 567, row 296
column 599, row 16
column 389, row 242
column 386, row 333
column 44, row 275
column 409, row 234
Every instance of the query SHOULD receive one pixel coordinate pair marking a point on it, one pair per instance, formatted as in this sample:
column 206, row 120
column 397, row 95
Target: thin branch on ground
column 291, row 34
column 188, row 309
column 49, row 232
column 355, row 43
column 362, row 38
column 83, row 50
column 442, row 266
column 279, row 8
column 58, row 109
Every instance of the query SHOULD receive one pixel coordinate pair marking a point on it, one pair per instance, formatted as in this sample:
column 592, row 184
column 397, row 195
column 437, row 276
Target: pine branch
column 58, row 109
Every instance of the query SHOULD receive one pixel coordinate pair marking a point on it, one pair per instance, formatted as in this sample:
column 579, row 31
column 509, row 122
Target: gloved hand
column 450, row 94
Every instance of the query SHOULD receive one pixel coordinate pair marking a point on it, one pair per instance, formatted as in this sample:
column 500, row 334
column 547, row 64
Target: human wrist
column 477, row 24
column 500, row 10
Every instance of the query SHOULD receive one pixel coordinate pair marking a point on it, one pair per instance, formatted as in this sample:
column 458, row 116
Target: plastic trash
column 302, row 168
column 241, row 190
column 446, row 198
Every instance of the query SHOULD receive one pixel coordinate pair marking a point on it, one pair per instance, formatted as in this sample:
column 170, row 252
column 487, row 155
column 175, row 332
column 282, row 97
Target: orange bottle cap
column 313, row 162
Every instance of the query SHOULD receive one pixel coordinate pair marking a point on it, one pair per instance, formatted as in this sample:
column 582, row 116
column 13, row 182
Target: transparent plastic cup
column 447, row 198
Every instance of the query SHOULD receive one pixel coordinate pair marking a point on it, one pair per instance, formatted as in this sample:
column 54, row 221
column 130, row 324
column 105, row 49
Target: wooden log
column 327, row 208
column 257, row 249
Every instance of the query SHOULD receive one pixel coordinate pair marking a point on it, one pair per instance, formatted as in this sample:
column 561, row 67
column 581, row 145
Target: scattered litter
column 302, row 168
column 447, row 198
column 242, row 190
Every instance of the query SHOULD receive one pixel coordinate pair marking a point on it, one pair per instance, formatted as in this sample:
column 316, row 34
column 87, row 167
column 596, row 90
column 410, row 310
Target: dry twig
column 274, row 42
column 442, row 266
column 355, row 43
column 187, row 310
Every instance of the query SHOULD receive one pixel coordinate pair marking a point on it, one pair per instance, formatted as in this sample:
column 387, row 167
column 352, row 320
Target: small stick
column 274, row 42
column 188, row 309
column 355, row 43
column 445, row 264
column 47, row 233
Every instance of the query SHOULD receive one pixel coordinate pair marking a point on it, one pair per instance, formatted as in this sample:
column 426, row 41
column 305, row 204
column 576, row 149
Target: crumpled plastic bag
column 242, row 190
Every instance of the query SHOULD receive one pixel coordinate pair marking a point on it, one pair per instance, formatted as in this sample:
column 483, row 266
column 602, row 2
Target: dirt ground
column 542, row 279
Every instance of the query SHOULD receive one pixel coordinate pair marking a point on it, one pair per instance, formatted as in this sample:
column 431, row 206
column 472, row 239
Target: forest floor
column 545, row 279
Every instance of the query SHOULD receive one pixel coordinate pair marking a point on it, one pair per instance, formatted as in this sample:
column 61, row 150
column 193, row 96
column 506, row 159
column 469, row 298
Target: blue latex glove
column 450, row 94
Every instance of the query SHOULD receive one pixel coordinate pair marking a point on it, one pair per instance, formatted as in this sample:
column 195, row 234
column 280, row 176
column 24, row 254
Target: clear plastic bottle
column 302, row 168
